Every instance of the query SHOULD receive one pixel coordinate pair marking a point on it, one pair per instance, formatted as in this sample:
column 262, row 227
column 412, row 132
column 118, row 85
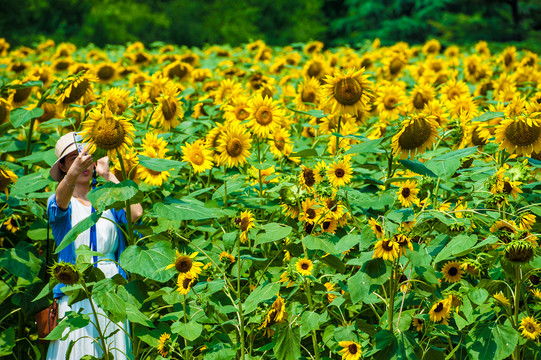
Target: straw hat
column 64, row 146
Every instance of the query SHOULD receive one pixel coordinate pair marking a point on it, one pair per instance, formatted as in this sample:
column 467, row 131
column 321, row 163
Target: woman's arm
column 65, row 188
column 102, row 169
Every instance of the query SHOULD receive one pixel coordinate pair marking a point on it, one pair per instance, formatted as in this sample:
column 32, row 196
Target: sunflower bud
column 519, row 251
column 65, row 273
column 287, row 196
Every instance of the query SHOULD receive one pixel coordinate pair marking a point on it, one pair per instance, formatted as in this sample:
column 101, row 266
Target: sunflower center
column 348, row 91
column 472, row 68
column 406, row 192
column 419, row 101
column 415, row 134
column 390, row 102
column 395, row 66
column 280, row 142
column 326, row 225
column 62, row 65
column 234, row 147
column 311, row 213
column 183, row 264
column 439, row 307
column 453, row 93
column 476, row 139
column 244, row 223
column 309, row 178
column 198, row 158
column 106, row 72
column 314, row 70
column 263, row 116
column 507, row 188
column 177, row 71
column 508, row 59
column 242, row 114
column 387, row 246
column 108, row 133
column 22, row 94
column 453, row 271
column 521, row 134
column 308, row 96
column 352, row 348
column 3, row 113
column 339, row 173
column 186, row 283
column 77, row 91
column 304, row 266
column 169, row 109
column 378, row 228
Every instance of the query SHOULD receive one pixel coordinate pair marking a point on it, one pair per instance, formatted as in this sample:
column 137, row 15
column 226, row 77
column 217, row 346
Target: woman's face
column 85, row 176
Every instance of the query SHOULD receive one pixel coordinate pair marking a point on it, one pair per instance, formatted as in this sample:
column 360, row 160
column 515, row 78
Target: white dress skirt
column 87, row 339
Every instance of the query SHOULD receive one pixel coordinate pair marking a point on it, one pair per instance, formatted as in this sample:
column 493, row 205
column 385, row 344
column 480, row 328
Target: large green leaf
column 489, row 340
column 260, row 294
column 20, row 261
column 158, row 164
column 273, row 232
column 190, row 331
column 29, row 183
column 372, row 274
column 288, row 343
column 458, row 245
column 319, row 243
column 7, row 341
column 111, row 195
column 310, row 320
column 417, row 167
column 149, row 260
column 184, row 210
column 106, row 297
column 73, row 321
column 21, row 116
column 78, row 229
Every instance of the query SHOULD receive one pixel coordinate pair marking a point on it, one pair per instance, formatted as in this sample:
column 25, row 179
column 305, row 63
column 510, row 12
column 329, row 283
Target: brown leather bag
column 46, row 320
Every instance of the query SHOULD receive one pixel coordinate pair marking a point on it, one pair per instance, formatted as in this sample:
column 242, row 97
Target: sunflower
column 520, row 251
column 530, row 328
column 153, row 147
column 431, row 47
column 421, row 94
column 452, row 271
column 440, row 311
column 12, row 223
column 417, row 134
column 390, row 101
column 347, row 93
column 407, row 195
column 199, row 157
column 65, row 273
column 276, row 313
column 452, row 89
column 19, row 97
column 169, row 110
column 226, row 257
column 5, row 108
column 117, row 99
column 106, row 72
column 265, row 115
column 227, row 90
column 521, row 135
column 333, row 208
column 288, row 279
column 329, row 224
column 403, row 242
column 304, row 267
column 329, row 286
column 306, row 178
column 502, row 299
column 6, row 177
column 237, row 109
column 234, row 145
column 340, row 173
column 308, row 95
column 320, row 171
column 280, row 143
column 418, row 323
column 164, row 344
column 525, row 223
column 316, row 67
column 184, row 283
column 104, row 130
column 245, row 222
column 131, row 165
column 311, row 211
column 351, row 350
column 185, row 265
column 536, row 293
column 376, row 228
column 386, row 249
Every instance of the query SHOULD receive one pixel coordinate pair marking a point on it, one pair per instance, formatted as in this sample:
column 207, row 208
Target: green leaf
column 273, row 232
column 20, row 116
column 73, row 321
column 369, row 146
column 29, row 183
column 190, row 331
column 478, row 295
column 457, row 154
column 260, row 294
column 347, row 242
column 489, row 340
column 158, row 164
column 460, row 244
column 149, row 260
column 372, row 274
column 104, row 293
column 288, row 343
column 184, row 210
column 78, row 229
column 417, row 167
column 309, row 321
column 111, row 195
column 20, row 261
column 7, row 341
column 319, row 243
column 304, row 153
column 489, row 115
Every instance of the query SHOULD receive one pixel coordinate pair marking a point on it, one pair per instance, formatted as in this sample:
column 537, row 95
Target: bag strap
column 93, row 240
column 47, row 254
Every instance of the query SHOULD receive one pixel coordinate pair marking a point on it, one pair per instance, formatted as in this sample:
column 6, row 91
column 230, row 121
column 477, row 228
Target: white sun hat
column 64, row 146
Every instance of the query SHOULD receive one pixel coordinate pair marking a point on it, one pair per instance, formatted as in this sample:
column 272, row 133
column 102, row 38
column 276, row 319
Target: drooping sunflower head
column 417, row 134
column 184, row 283
column 306, row 177
column 6, row 177
column 65, row 273
column 245, row 221
column 440, row 311
column 103, row 129
column 376, row 227
column 164, row 344
column 77, row 89
column 519, row 251
column 348, row 92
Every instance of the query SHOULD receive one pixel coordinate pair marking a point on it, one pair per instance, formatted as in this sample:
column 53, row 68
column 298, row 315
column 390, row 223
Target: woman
column 65, row 208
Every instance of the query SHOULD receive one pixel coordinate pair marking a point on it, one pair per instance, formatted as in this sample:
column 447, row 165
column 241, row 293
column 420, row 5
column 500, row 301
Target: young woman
column 65, row 208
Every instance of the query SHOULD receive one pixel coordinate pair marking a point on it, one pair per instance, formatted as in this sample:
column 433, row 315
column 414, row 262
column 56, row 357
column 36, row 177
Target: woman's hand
column 102, row 168
column 82, row 162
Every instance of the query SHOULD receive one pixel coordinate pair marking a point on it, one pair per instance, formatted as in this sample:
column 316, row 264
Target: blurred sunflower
column 521, row 135
column 6, row 177
column 5, row 108
column 131, row 164
column 421, row 94
column 234, row 145
column 117, row 99
column 245, row 222
column 178, row 71
column 308, row 94
column 350, row 350
column 106, row 72
column 386, row 249
column 340, row 173
column 102, row 129
column 311, row 211
column 186, row 266
column 304, row 267
column 169, row 110
column 347, row 92
column 416, row 135
column 197, row 155
column 227, row 90
column 280, row 143
column 265, row 115
column 452, row 89
column 153, row 147
column 164, row 344
column 390, row 101
column 407, row 195
column 441, row 311
column 530, row 328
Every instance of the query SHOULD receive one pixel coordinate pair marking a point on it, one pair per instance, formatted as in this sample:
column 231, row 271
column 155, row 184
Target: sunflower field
column 299, row 202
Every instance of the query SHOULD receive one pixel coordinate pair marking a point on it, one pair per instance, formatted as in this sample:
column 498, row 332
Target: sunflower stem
column 189, row 182
column 516, row 354
column 98, row 327
column 311, row 306
column 185, row 322
column 389, row 170
column 128, row 205
column 392, row 291
column 259, row 169
column 225, row 186
column 337, row 138
column 28, row 150
column 241, row 317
